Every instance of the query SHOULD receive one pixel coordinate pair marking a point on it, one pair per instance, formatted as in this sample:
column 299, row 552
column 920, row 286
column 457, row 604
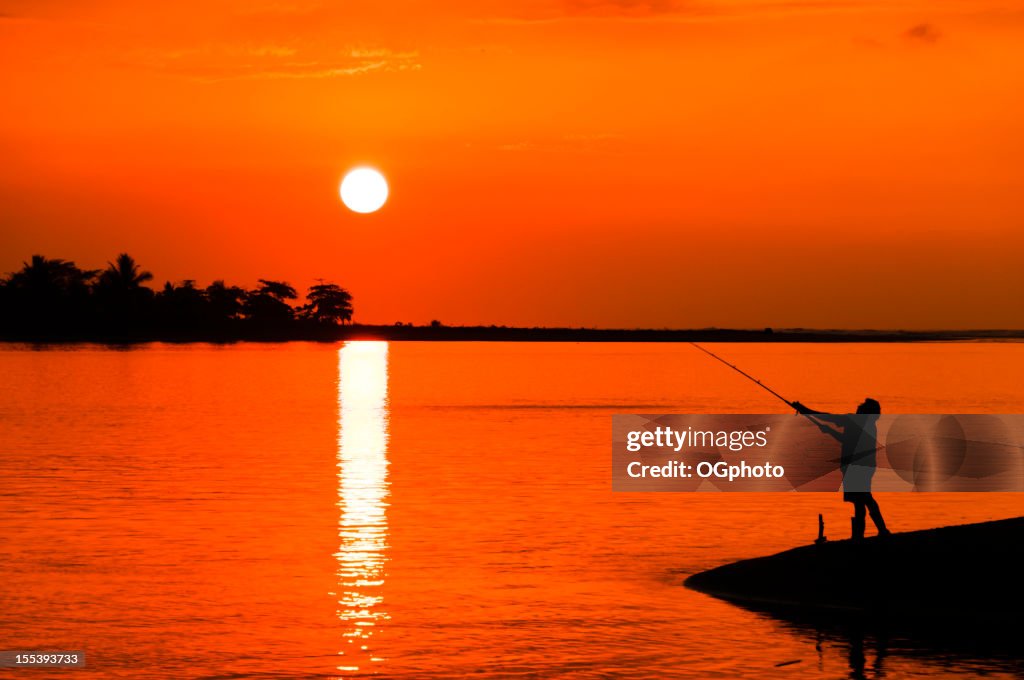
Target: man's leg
column 876, row 515
column 857, row 522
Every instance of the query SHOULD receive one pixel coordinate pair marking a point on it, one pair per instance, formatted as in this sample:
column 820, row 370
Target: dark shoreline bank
column 955, row 575
column 512, row 334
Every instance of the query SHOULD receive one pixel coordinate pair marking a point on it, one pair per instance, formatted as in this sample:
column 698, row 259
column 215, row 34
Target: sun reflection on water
column 362, row 496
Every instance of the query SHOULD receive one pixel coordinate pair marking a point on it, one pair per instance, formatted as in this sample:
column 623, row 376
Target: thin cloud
column 686, row 11
column 594, row 143
column 623, row 7
column 278, row 62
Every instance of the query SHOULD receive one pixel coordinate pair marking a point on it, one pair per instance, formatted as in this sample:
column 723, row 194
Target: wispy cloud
column 550, row 11
column 624, row 7
column 251, row 62
column 590, row 142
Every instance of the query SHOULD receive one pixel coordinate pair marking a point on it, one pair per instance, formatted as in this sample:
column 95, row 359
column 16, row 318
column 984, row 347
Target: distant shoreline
column 53, row 301
column 515, row 334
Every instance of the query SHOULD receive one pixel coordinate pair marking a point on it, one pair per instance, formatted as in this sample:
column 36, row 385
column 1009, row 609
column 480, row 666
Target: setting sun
column 364, row 190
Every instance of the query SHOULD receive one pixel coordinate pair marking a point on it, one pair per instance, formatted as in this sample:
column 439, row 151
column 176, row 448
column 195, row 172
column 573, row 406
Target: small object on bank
column 821, row 531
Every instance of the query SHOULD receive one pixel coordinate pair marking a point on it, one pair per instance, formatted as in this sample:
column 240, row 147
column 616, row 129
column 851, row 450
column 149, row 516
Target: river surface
column 420, row 510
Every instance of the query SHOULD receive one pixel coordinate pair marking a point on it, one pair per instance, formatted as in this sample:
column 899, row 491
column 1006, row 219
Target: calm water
column 428, row 509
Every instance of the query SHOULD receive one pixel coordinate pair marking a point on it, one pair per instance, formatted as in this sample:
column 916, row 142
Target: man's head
column 869, row 407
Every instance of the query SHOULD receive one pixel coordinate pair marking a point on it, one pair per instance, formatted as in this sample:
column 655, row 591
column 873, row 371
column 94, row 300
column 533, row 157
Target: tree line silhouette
column 55, row 299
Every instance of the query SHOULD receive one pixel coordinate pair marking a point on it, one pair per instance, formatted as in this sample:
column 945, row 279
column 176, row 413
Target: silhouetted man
column 858, row 435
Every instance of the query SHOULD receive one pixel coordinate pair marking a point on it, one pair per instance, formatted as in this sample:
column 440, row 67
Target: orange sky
column 819, row 163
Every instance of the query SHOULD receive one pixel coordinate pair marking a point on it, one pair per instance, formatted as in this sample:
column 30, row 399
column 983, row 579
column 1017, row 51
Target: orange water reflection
column 181, row 497
column 362, row 497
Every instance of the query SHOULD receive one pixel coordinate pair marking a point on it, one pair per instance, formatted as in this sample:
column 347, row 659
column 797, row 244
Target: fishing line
column 744, row 374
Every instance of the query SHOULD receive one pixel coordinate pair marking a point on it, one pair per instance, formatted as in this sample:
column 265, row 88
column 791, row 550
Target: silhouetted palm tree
column 329, row 303
column 125, row 305
column 225, row 301
column 182, row 309
column 45, row 296
column 52, row 299
column 276, row 289
column 124, row 274
column 44, row 276
column 267, row 305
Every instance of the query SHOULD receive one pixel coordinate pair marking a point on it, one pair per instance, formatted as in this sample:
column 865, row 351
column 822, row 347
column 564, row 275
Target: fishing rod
column 821, row 426
column 744, row 374
column 810, row 416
